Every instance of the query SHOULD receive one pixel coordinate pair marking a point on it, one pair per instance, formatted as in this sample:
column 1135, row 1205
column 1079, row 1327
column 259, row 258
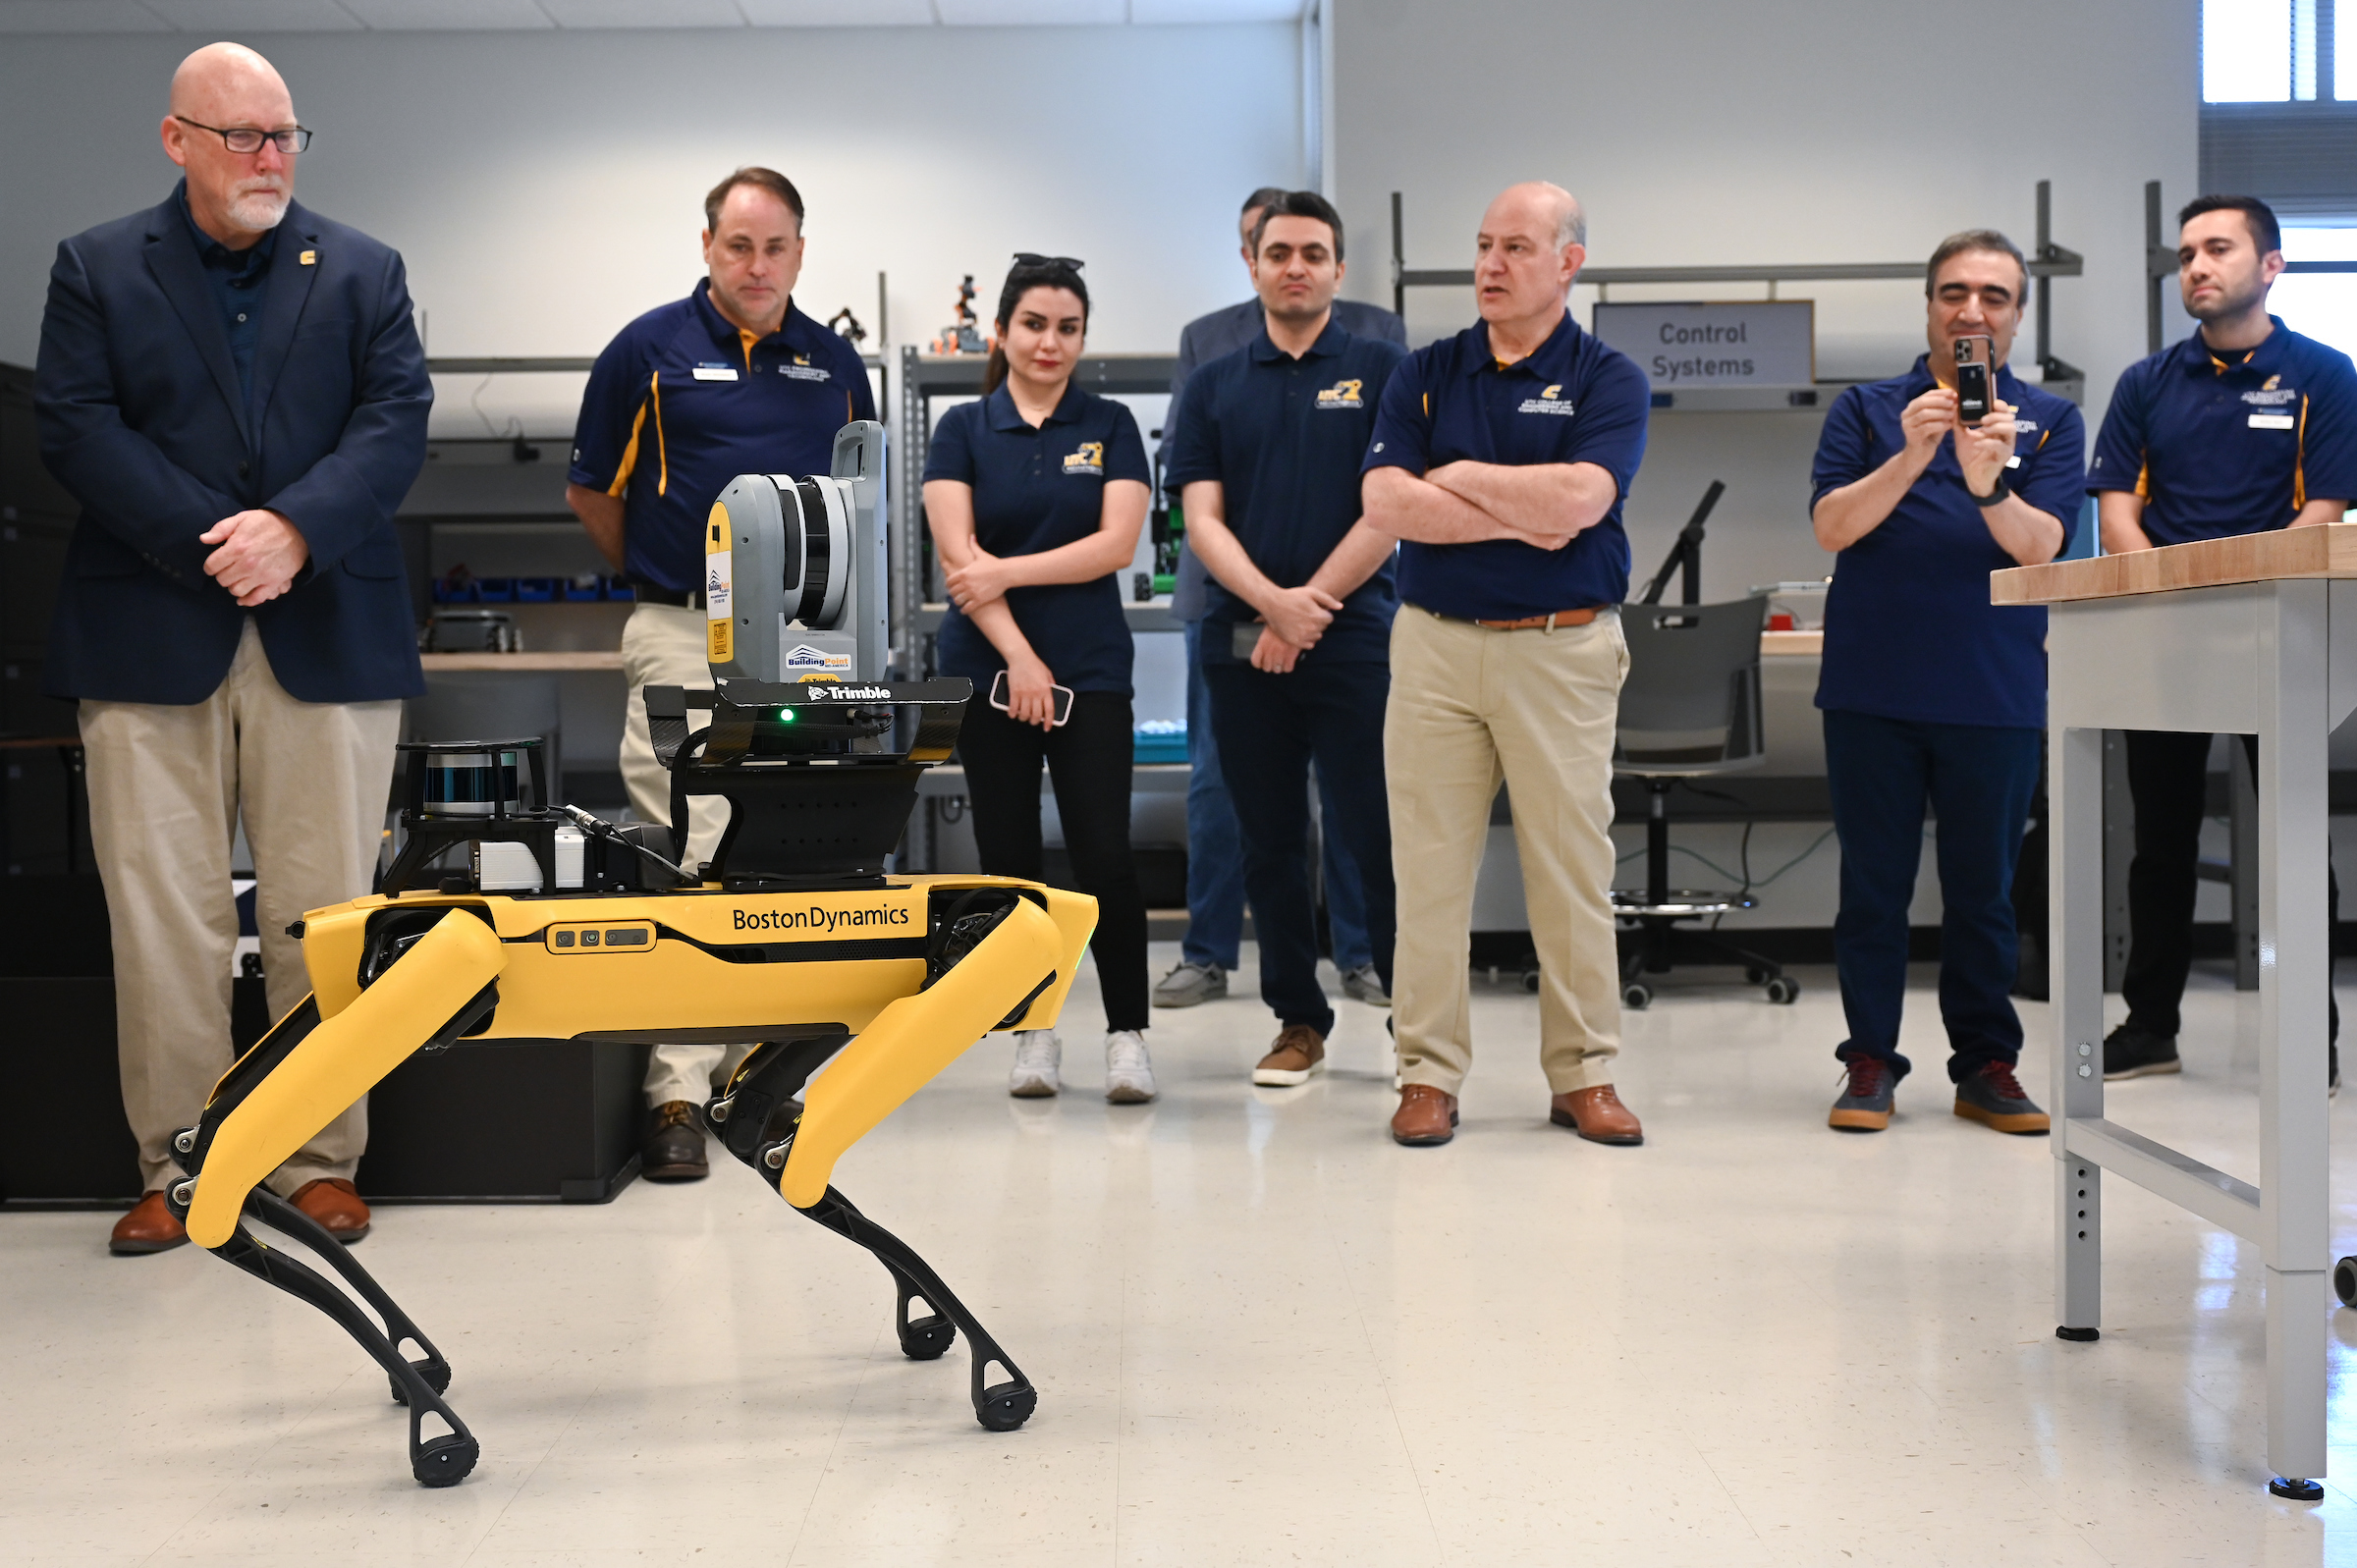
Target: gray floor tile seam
column 1383, row 1380
column 835, row 1445
column 295, row 1422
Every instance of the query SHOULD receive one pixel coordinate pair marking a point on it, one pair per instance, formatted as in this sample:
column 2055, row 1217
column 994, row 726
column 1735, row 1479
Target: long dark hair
column 1025, row 276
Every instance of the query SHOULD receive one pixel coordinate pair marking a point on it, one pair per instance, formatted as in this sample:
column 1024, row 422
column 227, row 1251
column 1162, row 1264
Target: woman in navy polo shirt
column 1035, row 495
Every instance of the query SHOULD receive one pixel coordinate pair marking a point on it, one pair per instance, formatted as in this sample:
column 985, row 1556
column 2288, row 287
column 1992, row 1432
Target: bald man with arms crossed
column 233, row 389
column 1501, row 459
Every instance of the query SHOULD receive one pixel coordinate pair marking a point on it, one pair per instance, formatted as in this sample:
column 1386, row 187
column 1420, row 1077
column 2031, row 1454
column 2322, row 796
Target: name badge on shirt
column 715, row 372
column 2273, row 421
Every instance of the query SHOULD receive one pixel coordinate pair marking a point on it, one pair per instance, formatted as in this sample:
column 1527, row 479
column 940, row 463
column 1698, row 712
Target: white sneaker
column 1128, row 1075
column 1037, row 1055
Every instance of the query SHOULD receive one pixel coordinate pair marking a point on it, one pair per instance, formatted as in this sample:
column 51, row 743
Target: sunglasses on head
column 1032, row 258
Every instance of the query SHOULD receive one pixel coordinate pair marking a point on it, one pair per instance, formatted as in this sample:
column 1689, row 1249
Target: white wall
column 546, row 186
column 1702, row 131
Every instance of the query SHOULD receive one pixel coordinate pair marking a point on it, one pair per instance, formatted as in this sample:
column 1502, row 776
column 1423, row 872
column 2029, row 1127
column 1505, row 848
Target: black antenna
column 1686, row 554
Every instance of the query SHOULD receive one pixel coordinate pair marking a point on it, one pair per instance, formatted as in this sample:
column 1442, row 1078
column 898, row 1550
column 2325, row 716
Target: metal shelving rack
column 925, row 377
column 2048, row 262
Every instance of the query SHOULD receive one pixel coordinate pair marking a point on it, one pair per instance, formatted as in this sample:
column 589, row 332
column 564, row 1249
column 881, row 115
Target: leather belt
column 1559, row 618
column 680, row 598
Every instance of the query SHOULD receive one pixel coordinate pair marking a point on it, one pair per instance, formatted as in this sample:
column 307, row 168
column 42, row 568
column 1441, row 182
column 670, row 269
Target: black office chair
column 1690, row 709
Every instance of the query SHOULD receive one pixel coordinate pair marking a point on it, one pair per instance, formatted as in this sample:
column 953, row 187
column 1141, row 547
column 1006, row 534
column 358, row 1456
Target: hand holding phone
column 1976, row 378
column 1060, row 702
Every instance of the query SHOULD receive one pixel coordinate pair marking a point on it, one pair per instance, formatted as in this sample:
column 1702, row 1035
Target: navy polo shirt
column 1285, row 438
column 1037, row 490
column 2228, row 443
column 682, row 402
column 1573, row 401
column 1909, row 632
column 236, row 278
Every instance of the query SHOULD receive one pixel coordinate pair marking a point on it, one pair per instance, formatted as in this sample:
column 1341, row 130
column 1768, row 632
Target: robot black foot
column 2296, row 1488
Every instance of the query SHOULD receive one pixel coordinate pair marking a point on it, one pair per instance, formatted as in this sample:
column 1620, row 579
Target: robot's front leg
column 436, row 1461
column 300, row 1077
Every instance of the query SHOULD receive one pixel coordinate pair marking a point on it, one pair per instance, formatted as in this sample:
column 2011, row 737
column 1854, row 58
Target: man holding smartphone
column 1932, row 695
column 2246, row 426
column 1292, row 649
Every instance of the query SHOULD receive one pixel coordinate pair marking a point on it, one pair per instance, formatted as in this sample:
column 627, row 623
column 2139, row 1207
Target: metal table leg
column 2075, row 808
column 2294, row 963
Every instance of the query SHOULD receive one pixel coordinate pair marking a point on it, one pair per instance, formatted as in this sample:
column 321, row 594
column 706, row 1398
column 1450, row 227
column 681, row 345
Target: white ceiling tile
column 644, row 12
column 78, row 15
column 1152, row 12
column 450, row 16
column 1031, row 13
column 227, row 18
column 838, row 13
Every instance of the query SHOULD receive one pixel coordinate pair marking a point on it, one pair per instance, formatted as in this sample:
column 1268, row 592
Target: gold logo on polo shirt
column 1341, row 394
column 2270, row 383
column 1552, row 392
column 1548, row 401
column 1090, row 459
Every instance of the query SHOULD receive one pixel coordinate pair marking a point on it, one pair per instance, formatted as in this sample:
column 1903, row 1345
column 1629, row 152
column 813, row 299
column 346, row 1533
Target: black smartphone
column 1063, row 697
column 1976, row 374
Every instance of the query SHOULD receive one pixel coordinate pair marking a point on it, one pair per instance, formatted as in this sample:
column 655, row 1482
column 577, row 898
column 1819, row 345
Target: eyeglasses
column 246, row 140
column 1032, row 258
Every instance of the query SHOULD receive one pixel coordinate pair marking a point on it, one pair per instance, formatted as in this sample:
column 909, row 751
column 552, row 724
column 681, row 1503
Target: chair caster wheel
column 444, row 1461
column 2344, row 1281
column 1755, row 976
column 1006, row 1406
column 1530, row 981
column 927, row 1338
column 1637, row 996
column 2297, row 1489
column 1784, row 989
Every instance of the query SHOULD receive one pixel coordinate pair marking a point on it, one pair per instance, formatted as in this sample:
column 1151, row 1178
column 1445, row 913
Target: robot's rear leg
column 437, row 1461
column 1001, row 1406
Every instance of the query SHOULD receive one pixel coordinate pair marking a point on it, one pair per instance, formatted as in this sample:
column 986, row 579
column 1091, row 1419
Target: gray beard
column 258, row 211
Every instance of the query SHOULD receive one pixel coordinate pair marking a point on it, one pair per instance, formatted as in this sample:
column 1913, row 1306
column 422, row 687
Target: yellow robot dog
column 792, row 940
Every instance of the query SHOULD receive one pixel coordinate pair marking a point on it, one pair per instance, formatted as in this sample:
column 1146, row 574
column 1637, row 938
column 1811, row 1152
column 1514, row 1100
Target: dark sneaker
column 1993, row 1097
column 1190, row 985
column 1866, row 1095
column 2133, row 1052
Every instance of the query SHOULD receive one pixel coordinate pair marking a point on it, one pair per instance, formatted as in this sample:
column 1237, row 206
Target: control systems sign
column 1752, row 343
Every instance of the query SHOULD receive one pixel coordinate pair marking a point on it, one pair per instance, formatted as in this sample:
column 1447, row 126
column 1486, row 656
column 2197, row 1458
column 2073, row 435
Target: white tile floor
column 1260, row 1331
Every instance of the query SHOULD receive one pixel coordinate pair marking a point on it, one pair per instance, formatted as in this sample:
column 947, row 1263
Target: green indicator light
column 786, row 716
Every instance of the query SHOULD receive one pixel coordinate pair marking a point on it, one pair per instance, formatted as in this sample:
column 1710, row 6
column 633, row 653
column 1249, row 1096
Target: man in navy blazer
column 233, row 388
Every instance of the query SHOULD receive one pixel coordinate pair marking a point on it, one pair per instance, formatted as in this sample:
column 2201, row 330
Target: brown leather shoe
column 1299, row 1050
column 673, row 1149
column 1426, row 1117
column 334, row 1203
column 148, row 1227
column 1595, row 1115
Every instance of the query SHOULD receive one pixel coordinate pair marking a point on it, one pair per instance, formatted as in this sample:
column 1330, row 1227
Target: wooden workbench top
column 523, row 663
column 2328, row 551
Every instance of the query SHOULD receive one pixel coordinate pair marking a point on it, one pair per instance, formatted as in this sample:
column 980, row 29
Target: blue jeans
column 1273, row 727
column 1977, row 780
column 1215, row 853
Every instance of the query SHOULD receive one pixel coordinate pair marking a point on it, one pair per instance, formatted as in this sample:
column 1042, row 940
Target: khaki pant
column 1471, row 706
column 168, row 785
column 663, row 645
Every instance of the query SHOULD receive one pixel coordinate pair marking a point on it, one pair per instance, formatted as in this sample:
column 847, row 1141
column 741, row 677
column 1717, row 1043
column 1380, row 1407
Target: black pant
column 2168, row 781
column 1269, row 728
column 1089, row 759
column 1976, row 780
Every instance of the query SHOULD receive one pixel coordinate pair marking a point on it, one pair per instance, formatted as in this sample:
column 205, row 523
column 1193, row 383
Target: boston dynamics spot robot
column 791, row 939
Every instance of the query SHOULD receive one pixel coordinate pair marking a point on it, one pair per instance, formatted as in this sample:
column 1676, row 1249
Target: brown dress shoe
column 1299, row 1050
column 1426, row 1117
column 1595, row 1115
column 148, row 1227
column 673, row 1149
column 335, row 1205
